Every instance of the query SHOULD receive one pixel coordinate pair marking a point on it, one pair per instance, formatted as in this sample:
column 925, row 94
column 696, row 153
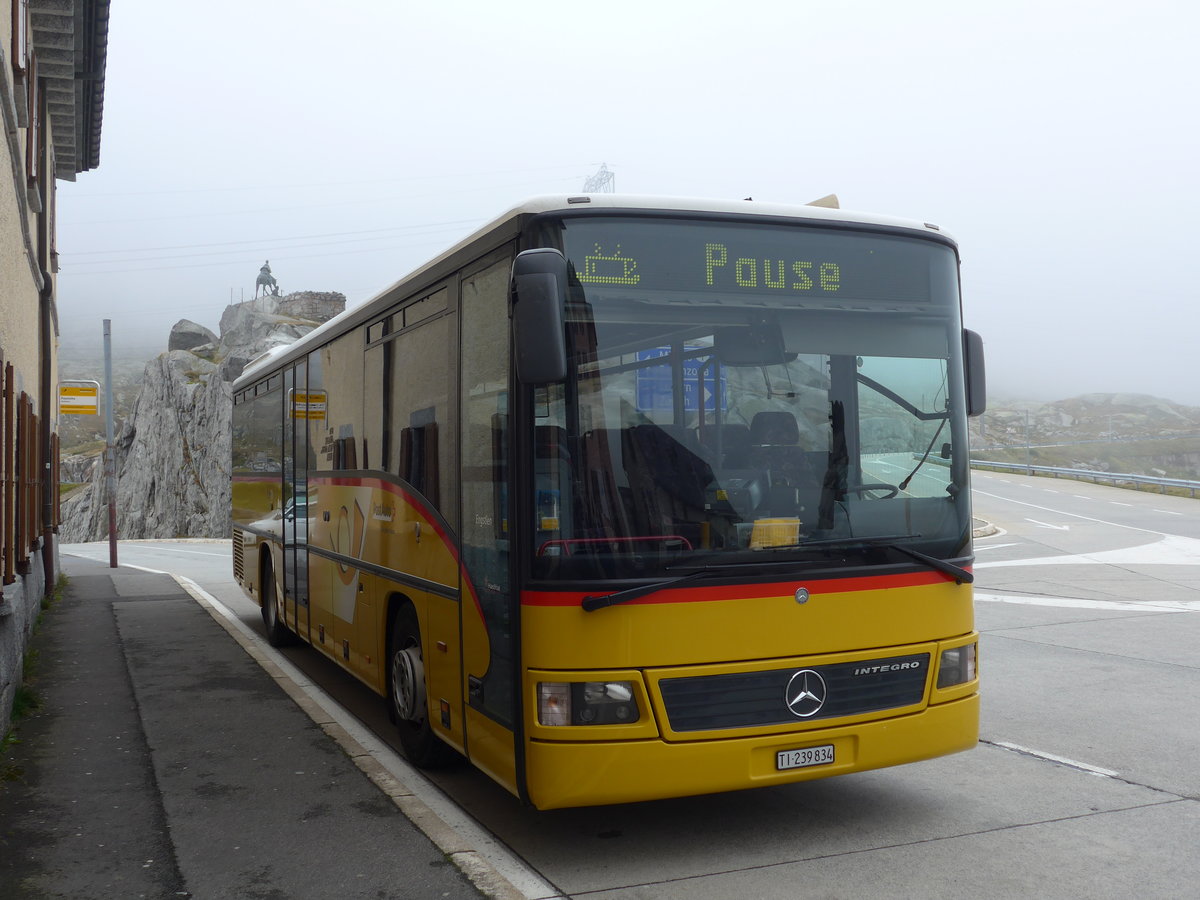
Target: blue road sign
column 654, row 384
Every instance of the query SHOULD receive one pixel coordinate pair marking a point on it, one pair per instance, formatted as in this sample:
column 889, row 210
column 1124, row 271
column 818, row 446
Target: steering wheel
column 861, row 489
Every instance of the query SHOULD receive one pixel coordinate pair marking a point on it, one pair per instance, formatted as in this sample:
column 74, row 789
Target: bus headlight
column 956, row 666
column 586, row 703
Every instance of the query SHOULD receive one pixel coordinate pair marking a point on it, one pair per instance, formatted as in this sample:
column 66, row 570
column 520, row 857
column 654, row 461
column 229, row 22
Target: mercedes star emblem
column 805, row 694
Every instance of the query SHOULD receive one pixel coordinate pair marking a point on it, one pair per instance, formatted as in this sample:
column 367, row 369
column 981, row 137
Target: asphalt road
column 1084, row 783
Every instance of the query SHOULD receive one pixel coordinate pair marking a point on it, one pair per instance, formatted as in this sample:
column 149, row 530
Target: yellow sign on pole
column 310, row 405
column 79, row 398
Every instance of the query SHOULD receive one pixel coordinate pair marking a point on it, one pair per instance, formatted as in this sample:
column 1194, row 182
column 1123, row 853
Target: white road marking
column 1061, row 760
column 1060, row 512
column 1048, row 525
column 1168, row 550
column 193, row 552
column 101, row 551
column 1165, row 606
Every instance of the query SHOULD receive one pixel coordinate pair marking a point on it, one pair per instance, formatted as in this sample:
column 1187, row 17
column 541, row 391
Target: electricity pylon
column 603, row 182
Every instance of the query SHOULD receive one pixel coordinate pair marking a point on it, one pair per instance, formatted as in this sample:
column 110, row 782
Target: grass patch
column 26, row 699
column 1160, row 457
column 1100, row 477
column 87, row 448
column 25, row 703
column 55, row 594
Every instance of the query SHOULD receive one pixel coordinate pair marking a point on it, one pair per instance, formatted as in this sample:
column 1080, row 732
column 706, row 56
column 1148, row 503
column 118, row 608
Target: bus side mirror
column 539, row 294
column 976, row 379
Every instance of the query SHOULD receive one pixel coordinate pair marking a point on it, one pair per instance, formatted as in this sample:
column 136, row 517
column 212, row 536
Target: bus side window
column 419, row 456
column 419, row 413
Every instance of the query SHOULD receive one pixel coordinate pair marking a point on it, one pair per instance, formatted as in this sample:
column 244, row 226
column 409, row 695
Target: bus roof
column 580, row 204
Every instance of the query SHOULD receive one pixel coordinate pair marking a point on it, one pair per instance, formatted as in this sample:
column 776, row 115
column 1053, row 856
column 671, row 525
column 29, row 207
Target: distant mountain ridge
column 1095, row 415
column 1112, row 432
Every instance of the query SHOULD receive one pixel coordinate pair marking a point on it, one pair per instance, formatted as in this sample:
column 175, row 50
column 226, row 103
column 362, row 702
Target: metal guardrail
column 1089, row 474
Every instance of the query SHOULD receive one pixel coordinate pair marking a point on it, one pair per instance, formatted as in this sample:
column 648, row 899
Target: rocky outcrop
column 188, row 335
column 255, row 326
column 173, row 451
column 78, row 468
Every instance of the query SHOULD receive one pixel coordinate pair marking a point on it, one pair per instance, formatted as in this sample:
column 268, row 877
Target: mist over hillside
column 1134, row 434
column 1112, row 432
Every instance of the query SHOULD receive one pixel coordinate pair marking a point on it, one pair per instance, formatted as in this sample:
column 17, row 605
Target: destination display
column 802, row 261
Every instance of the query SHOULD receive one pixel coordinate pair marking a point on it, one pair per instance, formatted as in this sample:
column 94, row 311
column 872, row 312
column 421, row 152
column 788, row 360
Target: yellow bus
column 625, row 498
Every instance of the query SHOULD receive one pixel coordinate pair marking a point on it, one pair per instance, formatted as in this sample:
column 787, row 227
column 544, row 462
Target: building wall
column 30, row 561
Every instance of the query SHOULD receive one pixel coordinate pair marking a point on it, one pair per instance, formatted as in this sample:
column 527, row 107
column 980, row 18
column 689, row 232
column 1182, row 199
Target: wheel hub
column 408, row 684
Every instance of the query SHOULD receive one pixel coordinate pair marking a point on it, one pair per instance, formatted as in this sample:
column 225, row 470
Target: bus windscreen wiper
column 593, row 603
column 889, row 542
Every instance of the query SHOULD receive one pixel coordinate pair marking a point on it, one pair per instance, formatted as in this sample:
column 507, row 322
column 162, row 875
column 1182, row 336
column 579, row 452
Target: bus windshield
column 741, row 392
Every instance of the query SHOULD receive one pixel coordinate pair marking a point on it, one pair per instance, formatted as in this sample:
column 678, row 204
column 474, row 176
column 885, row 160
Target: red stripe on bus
column 423, row 510
column 746, row 591
column 393, row 488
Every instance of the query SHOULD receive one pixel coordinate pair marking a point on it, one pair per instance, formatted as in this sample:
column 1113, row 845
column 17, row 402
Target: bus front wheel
column 278, row 634
column 408, row 703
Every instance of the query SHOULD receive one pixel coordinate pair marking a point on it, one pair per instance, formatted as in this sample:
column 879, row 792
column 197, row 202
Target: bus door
column 295, row 506
column 489, row 621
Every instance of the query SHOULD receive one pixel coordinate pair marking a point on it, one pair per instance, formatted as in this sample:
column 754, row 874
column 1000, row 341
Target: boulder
column 187, row 335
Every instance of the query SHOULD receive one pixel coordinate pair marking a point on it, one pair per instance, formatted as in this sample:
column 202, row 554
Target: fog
column 349, row 143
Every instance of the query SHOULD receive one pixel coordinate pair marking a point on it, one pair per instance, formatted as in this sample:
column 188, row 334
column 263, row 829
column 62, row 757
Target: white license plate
column 805, row 756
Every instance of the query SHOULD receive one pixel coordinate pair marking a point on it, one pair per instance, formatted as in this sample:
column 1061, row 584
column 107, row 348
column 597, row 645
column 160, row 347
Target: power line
column 306, row 207
column 317, row 184
column 264, row 241
column 247, row 247
column 230, row 262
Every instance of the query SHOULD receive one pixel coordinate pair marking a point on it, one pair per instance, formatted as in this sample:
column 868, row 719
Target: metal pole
column 110, row 461
column 1028, row 454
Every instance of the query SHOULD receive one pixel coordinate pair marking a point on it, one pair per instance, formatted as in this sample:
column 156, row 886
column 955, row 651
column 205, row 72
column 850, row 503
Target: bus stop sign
column 79, row 398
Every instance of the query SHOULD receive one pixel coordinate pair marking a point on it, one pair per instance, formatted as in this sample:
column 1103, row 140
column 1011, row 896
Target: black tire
column 408, row 704
column 278, row 634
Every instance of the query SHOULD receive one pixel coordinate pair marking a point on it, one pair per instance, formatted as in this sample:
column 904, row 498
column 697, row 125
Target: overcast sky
column 349, row 142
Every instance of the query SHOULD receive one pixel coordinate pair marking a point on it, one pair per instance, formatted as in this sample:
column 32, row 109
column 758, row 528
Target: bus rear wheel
column 408, row 701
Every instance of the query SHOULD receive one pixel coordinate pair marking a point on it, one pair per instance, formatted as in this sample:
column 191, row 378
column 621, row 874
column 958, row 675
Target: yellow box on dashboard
column 774, row 533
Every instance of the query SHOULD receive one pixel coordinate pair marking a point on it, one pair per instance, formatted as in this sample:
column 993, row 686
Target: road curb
column 473, row 865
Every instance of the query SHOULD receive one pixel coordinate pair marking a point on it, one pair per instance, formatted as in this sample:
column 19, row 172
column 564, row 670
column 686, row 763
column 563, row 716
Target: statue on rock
column 266, row 281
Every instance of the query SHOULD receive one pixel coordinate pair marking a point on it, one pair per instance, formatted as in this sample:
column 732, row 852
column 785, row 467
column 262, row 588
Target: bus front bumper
column 592, row 774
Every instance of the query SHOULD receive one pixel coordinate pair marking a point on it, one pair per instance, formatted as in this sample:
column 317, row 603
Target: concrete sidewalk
column 165, row 762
